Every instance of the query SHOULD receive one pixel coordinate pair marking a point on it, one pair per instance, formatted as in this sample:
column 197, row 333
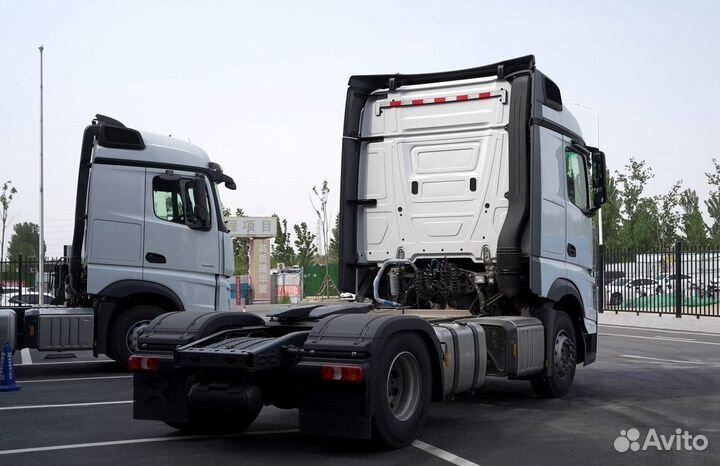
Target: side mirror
column 599, row 181
column 200, row 201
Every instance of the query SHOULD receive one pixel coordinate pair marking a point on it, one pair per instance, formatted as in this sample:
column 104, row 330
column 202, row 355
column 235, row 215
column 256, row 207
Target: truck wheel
column 616, row 299
column 402, row 390
column 211, row 421
column 127, row 328
column 563, row 360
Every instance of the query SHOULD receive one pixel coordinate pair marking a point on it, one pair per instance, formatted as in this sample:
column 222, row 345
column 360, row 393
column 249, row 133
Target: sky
column 260, row 86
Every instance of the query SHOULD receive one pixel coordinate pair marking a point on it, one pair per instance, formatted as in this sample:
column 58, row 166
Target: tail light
column 143, row 363
column 343, row 373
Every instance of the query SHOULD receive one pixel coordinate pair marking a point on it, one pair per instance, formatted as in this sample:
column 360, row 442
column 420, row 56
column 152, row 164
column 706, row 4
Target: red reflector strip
column 441, row 100
column 143, row 363
column 342, row 373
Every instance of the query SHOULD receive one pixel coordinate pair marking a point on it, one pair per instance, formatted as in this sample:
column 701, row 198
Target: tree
column 692, row 225
column 241, row 246
column 282, row 251
column 644, row 226
column 713, row 203
column 713, row 208
column 334, row 251
column 6, row 196
column 321, row 196
column 668, row 218
column 638, row 230
column 611, row 217
column 304, row 244
column 24, row 241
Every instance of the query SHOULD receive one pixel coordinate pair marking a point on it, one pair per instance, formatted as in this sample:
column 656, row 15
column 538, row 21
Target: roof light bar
column 501, row 93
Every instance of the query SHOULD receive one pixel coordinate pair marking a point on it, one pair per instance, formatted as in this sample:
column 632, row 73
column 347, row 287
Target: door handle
column 361, row 202
column 572, row 252
column 155, row 258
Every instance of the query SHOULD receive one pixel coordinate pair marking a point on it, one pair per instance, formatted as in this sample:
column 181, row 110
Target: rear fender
column 168, row 331
column 346, row 409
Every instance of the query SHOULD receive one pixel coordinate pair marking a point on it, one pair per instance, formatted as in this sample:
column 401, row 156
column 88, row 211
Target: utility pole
column 40, row 282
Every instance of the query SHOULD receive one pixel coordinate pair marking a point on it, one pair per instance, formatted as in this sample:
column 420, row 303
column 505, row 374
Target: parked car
column 611, row 275
column 6, row 294
column 621, row 289
column 347, row 296
column 29, row 299
column 667, row 282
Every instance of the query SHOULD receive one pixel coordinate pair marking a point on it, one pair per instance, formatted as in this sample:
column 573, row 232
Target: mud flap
column 547, row 316
column 346, row 409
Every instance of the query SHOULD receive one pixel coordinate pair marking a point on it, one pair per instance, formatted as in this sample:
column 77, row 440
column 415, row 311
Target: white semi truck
column 149, row 238
column 470, row 189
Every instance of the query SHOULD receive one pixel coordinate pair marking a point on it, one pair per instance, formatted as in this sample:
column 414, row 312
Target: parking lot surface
column 79, row 412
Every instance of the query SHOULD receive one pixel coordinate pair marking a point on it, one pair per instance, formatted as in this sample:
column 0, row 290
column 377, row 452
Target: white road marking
column 442, row 454
column 65, row 405
column 650, row 329
column 657, row 338
column 140, row 440
column 25, row 356
column 663, row 360
column 73, row 379
column 675, row 338
column 99, row 361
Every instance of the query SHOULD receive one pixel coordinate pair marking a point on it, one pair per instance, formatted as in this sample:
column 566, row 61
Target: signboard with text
column 252, row 227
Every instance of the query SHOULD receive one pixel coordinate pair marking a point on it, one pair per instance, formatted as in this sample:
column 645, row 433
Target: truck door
column 177, row 253
column 580, row 240
column 553, row 200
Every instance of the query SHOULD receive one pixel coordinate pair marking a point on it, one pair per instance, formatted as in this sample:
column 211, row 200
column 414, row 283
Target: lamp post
column 40, row 283
column 597, row 129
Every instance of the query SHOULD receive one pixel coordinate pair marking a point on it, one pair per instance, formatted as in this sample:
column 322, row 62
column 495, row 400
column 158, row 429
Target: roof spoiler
column 502, row 69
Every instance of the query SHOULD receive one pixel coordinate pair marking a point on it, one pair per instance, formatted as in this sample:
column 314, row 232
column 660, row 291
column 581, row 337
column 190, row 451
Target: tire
column 616, row 299
column 211, row 421
column 128, row 326
column 403, row 390
column 563, row 361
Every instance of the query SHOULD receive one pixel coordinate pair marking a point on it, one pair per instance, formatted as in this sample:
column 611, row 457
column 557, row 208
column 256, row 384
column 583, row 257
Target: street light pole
column 40, row 283
column 597, row 128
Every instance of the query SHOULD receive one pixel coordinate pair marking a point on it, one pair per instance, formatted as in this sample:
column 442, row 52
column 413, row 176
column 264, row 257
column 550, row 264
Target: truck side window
column 576, row 179
column 167, row 200
column 174, row 200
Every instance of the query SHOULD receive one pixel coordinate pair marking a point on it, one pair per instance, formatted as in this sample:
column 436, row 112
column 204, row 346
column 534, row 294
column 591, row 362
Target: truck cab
column 154, row 219
column 149, row 238
column 149, row 231
column 470, row 189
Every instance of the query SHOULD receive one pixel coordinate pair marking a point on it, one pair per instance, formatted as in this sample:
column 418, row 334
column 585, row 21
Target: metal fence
column 19, row 281
column 680, row 281
column 314, row 275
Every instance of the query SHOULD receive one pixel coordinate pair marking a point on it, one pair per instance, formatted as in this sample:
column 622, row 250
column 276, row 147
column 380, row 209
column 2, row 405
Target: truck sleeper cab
column 149, row 238
column 470, row 189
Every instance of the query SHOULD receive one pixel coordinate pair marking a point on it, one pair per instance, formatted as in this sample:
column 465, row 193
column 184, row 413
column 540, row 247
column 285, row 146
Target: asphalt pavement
column 78, row 412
